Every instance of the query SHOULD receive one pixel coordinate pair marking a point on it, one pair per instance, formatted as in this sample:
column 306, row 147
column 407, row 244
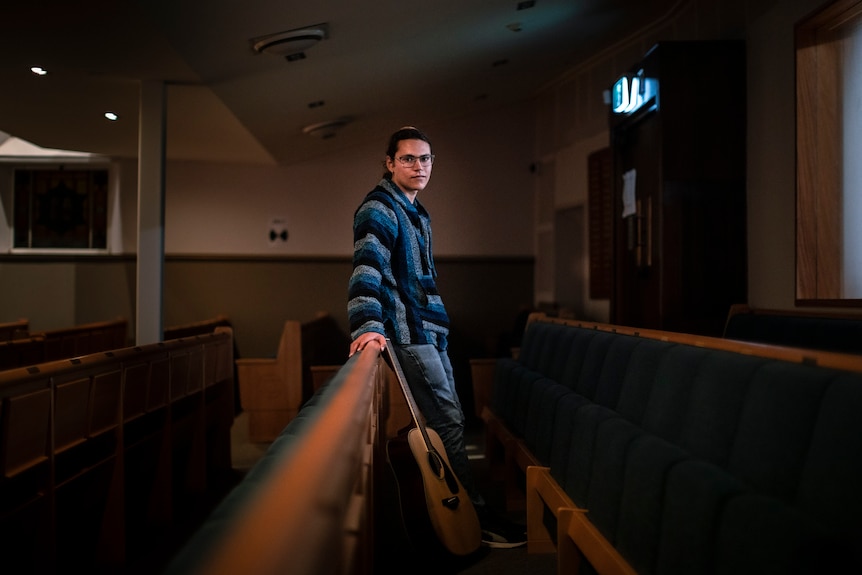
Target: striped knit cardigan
column 392, row 289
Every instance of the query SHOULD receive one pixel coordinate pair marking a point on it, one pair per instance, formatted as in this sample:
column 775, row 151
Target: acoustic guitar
column 444, row 509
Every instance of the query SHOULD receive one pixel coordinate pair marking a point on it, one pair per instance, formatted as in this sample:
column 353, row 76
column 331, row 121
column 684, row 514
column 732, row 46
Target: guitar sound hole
column 435, row 464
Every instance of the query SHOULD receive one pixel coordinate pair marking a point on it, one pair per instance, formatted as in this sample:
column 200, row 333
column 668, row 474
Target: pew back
column 271, row 388
column 21, row 352
column 840, row 332
column 100, row 449
column 194, row 328
column 83, row 339
column 14, row 329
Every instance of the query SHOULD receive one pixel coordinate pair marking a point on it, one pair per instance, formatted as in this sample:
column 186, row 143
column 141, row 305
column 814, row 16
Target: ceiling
column 382, row 64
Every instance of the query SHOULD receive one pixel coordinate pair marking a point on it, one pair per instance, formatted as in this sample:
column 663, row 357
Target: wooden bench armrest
column 576, row 536
column 543, row 492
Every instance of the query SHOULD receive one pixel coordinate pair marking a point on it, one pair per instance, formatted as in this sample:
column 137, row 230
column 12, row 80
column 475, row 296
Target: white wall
column 479, row 192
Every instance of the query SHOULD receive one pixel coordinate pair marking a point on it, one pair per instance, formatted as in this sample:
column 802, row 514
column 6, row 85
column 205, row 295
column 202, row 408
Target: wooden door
column 637, row 239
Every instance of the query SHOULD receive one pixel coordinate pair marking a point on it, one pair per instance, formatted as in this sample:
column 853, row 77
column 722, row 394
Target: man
column 393, row 293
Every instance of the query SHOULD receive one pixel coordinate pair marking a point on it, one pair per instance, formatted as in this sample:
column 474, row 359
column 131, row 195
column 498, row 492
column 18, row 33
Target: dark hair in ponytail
column 405, row 133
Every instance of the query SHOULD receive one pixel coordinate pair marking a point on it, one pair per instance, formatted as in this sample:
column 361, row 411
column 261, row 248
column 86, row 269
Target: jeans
column 429, row 375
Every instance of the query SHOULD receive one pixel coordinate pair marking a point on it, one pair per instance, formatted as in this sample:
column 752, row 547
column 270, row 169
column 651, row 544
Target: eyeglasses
column 425, row 160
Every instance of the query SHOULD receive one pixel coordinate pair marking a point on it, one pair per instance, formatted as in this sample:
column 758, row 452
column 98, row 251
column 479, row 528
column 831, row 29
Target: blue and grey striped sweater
column 392, row 289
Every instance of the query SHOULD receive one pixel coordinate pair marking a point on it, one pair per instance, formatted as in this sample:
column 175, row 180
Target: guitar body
column 435, row 507
column 448, row 509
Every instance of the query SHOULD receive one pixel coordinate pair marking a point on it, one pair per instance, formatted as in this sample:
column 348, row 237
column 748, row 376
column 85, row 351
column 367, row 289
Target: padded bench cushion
column 691, row 459
column 694, row 497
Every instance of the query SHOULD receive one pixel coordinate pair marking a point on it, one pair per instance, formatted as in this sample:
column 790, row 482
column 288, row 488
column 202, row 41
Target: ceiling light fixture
column 290, row 42
column 38, row 70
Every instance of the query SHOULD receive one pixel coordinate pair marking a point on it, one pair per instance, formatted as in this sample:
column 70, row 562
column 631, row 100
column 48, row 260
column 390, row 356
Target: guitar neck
column 405, row 389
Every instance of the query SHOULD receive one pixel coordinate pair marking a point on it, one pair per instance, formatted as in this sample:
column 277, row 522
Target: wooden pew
column 203, row 327
column 14, row 329
column 101, row 453
column 827, row 331
column 25, row 474
column 63, row 343
column 324, row 349
column 273, row 389
column 22, row 352
column 196, row 327
column 83, row 339
column 87, row 486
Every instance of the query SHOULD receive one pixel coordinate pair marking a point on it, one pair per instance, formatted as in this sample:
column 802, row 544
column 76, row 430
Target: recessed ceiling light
column 112, row 116
column 38, row 70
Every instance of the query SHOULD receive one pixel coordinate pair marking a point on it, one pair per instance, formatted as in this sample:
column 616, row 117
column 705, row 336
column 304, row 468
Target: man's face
column 410, row 177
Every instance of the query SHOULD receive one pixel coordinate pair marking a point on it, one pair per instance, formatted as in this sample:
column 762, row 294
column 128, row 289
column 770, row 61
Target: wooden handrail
column 298, row 520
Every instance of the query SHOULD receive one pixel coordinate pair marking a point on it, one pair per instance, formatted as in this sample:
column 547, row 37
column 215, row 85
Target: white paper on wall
column 629, row 179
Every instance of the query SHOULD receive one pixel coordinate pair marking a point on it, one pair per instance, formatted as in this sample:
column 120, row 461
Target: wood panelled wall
column 483, row 296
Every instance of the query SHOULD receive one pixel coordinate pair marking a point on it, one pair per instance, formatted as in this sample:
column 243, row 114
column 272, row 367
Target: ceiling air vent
column 291, row 42
column 325, row 130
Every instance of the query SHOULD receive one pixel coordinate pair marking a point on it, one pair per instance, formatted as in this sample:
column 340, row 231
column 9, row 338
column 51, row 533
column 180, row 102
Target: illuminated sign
column 631, row 93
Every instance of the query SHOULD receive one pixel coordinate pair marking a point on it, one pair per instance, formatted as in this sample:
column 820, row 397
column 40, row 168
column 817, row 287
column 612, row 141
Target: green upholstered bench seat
column 687, row 458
